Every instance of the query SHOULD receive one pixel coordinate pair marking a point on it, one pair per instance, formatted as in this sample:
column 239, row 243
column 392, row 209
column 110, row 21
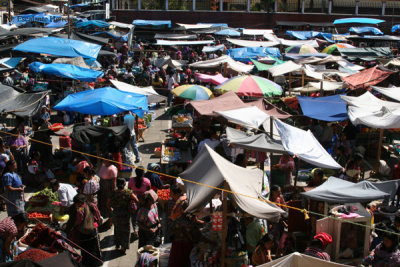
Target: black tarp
column 304, row 23
column 97, row 134
column 21, row 104
column 83, row 37
column 26, row 31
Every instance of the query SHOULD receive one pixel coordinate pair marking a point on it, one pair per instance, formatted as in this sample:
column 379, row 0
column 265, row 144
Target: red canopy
column 366, row 78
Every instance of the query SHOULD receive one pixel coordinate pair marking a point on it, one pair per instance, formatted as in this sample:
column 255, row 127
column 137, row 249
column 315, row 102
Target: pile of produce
column 35, row 254
column 47, row 192
column 39, row 215
column 40, row 236
column 163, row 194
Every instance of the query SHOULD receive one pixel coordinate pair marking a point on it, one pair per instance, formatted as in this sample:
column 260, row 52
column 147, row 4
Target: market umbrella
column 250, row 85
column 228, row 32
column 330, row 49
column 193, row 92
column 301, row 49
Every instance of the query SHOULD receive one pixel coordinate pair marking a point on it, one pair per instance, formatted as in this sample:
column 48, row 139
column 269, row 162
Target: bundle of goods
column 40, row 236
column 47, row 192
column 35, row 254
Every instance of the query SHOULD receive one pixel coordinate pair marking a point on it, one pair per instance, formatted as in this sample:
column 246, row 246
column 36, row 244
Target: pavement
column 153, row 137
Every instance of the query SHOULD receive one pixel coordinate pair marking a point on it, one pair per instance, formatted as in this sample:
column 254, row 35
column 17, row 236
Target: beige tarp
column 300, row 260
column 77, row 61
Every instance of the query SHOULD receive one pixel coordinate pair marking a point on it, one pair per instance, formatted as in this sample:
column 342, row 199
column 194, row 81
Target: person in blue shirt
column 14, row 189
column 153, row 177
column 129, row 120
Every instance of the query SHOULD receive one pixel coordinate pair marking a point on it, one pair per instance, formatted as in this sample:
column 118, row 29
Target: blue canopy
column 57, row 24
column 67, row 71
column 228, row 32
column 358, row 20
column 247, row 53
column 113, row 34
column 10, row 62
column 104, row 101
column 396, row 28
column 38, row 17
column 327, row 108
column 78, row 5
column 60, row 47
column 304, row 35
column 92, row 24
column 361, row 30
column 153, row 23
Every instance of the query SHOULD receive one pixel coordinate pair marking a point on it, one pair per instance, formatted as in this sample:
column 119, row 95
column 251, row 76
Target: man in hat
column 318, row 246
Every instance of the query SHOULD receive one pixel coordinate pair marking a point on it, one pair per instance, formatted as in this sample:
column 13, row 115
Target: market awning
column 366, row 78
column 284, row 68
column 365, row 53
column 259, row 142
column 336, row 190
column 66, row 71
column 247, row 43
column 92, row 24
column 316, row 87
column 327, row 108
column 10, row 62
column 218, row 62
column 104, row 101
column 59, row 47
column 251, row 116
column 152, row 23
column 152, row 95
column 269, row 108
column 247, row 53
column 121, row 25
column 305, row 146
column 297, row 259
column 358, row 20
column 210, row 170
column 179, row 43
column 77, row 61
column 175, row 36
column 363, row 30
column 214, row 79
column 256, row 31
column 223, row 102
column 209, row 49
column 392, row 92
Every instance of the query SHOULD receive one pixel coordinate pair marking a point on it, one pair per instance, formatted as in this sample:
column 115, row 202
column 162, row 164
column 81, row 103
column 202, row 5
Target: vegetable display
column 163, row 194
column 35, row 254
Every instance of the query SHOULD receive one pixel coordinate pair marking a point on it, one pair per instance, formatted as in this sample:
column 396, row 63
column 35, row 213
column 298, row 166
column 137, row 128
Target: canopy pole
column 380, row 145
column 296, row 169
column 226, row 69
column 224, row 223
column 290, row 83
column 302, row 78
column 69, row 19
column 271, row 127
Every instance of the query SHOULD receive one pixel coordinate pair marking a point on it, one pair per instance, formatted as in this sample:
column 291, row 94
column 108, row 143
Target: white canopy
column 247, row 43
column 316, row 86
column 274, row 38
column 173, row 42
column 392, row 92
column 300, row 260
column 250, row 116
column 284, row 68
column 152, row 95
column 256, row 31
column 310, row 72
column 375, row 117
column 121, row 25
column 348, row 65
column 195, row 26
column 369, row 100
column 217, row 62
column 305, row 146
column 209, row 170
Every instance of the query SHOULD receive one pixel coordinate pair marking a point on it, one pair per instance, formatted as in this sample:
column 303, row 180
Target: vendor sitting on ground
column 318, row 246
column 66, row 193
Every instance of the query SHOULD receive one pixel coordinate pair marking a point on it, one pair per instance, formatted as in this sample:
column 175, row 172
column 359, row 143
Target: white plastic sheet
column 284, row 68
column 392, row 92
column 250, row 116
column 218, row 62
column 247, row 43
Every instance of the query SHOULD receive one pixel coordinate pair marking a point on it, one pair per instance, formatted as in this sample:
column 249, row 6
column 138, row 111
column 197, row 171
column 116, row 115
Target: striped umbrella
column 330, row 49
column 300, row 49
column 192, row 92
column 250, row 85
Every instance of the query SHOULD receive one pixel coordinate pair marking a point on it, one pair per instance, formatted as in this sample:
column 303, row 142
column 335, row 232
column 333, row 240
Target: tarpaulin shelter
column 261, row 66
column 92, row 24
column 249, row 116
column 364, row 30
column 304, row 35
column 247, row 53
column 212, row 170
column 317, row 86
column 358, row 20
column 96, row 134
column 228, row 32
column 57, row 24
column 269, row 108
column 367, row 77
column 185, row 42
column 84, row 38
column 392, row 92
column 284, row 68
column 396, row 28
column 305, row 146
column 60, row 47
column 214, row 79
column 365, row 53
column 327, row 108
column 104, row 101
column 259, row 142
column 195, row 26
column 121, row 25
column 256, row 31
column 27, row 31
column 336, row 190
column 297, row 259
column 209, row 49
column 152, row 23
column 152, row 95
column 66, row 71
column 9, row 63
column 248, row 43
column 113, row 34
column 21, row 104
column 221, row 62
column 175, row 36
column 223, row 102
column 77, row 61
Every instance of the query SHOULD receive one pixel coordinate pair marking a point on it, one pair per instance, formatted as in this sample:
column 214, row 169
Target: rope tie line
column 304, row 211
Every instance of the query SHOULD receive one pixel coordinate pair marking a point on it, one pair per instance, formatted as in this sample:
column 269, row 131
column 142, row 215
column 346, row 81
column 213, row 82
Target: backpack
column 87, row 226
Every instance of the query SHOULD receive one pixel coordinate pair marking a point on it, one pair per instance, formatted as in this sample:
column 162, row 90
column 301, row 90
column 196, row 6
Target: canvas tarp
column 121, row 25
column 256, row 31
column 152, row 95
column 365, row 53
column 218, row 62
column 358, row 20
column 259, row 142
column 326, row 108
column 369, row 100
column 318, row 60
column 300, row 260
column 284, row 68
column 175, row 36
column 8, row 63
column 77, row 61
column 392, row 62
column 21, row 104
column 195, row 26
column 375, row 117
column 223, row 102
column 66, row 71
column 274, row 38
column 392, row 92
column 305, row 146
column 179, row 43
column 366, row 78
column 212, row 170
column 269, row 108
column 92, row 24
column 214, row 79
column 97, row 134
column 316, row 87
column 247, row 53
column 209, row 49
column 152, row 23
column 363, row 30
column 60, row 47
column 248, row 43
column 104, row 101
column 336, row 190
column 249, row 116
column 261, row 66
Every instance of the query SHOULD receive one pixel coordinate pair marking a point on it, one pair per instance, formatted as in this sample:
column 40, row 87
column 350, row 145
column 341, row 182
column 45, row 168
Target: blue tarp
column 92, row 24
column 153, row 23
column 78, row 5
column 246, row 53
column 38, row 17
column 327, row 108
column 112, row 35
column 57, row 24
column 305, row 35
column 67, row 71
column 358, row 20
column 228, row 32
column 60, row 47
column 396, row 28
column 362, row 30
column 104, row 101
column 11, row 62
